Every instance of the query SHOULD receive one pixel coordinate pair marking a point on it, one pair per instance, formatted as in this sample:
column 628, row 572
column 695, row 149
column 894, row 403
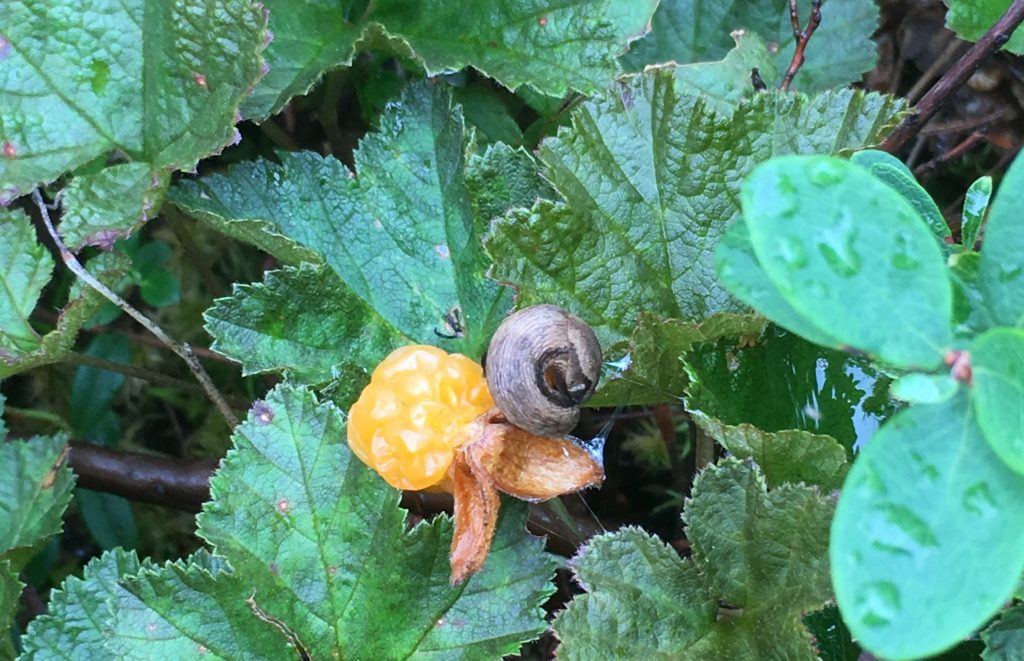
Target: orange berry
column 417, row 410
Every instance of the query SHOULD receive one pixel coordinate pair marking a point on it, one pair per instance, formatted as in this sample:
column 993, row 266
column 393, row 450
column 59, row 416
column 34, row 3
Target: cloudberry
column 415, row 413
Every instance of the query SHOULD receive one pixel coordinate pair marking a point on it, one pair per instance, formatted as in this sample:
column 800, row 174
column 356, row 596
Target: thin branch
column 802, row 36
column 183, row 350
column 185, row 485
column 953, row 79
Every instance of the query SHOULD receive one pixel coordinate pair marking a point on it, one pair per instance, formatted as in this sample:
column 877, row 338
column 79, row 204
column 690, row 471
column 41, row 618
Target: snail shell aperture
column 543, row 363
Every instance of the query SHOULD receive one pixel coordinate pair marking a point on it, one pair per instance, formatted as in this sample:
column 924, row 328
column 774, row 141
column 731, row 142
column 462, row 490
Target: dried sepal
column 476, row 516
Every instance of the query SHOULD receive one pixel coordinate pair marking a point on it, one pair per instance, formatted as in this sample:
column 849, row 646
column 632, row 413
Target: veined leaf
column 322, row 542
column 727, row 82
column 552, row 46
column 1002, row 267
column 103, row 207
column 649, row 178
column 157, row 81
column 924, row 492
column 401, row 234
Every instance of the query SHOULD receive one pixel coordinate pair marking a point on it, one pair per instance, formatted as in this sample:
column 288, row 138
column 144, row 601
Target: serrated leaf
column 643, row 601
column 551, row 46
column 971, row 19
column 924, row 492
column 190, row 609
column 850, row 254
column 786, row 456
column 303, row 320
column 975, row 205
column 10, row 593
column 1004, row 638
column 893, row 172
column 1001, row 268
column 291, row 491
column 727, row 82
column 35, row 487
column 83, row 302
column 501, row 179
column 157, row 81
column 25, row 268
column 649, row 178
column 106, row 206
column 997, row 368
column 698, row 31
column 401, row 234
column 76, row 623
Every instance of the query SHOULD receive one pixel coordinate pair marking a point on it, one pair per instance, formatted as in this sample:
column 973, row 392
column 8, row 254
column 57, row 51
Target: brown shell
column 542, row 364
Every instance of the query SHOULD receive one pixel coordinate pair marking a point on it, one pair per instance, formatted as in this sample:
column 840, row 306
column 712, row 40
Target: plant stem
column 960, row 72
column 183, row 350
column 802, row 36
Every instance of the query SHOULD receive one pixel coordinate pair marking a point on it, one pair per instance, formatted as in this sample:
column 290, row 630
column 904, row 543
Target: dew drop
column 880, row 603
column 978, row 500
column 826, row 173
column 837, row 245
column 1007, row 272
column 442, row 251
column 927, row 469
column 616, row 368
column 790, row 252
column 904, row 520
column 904, row 257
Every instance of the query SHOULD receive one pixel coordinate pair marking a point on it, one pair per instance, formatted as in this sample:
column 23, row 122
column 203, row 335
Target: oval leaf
column 997, row 363
column 1002, row 269
column 850, row 254
column 926, row 493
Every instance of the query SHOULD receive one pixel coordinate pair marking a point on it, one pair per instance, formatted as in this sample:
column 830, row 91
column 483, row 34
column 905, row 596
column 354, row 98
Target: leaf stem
column 183, row 350
column 953, row 79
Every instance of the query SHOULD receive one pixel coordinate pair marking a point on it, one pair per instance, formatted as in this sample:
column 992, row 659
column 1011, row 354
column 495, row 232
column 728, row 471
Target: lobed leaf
column 302, row 320
column 1001, row 268
column 997, row 368
column 850, row 254
column 323, row 543
column 926, row 492
column 159, row 82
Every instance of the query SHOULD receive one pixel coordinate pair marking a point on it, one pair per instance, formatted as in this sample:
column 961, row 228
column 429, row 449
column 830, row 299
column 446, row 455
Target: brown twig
column 185, row 485
column 802, row 36
column 958, row 74
column 183, row 350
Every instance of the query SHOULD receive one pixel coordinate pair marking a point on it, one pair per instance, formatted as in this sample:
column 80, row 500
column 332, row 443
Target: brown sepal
column 476, row 516
column 532, row 467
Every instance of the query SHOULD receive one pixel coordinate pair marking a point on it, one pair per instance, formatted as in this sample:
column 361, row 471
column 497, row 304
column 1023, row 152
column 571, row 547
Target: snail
column 542, row 364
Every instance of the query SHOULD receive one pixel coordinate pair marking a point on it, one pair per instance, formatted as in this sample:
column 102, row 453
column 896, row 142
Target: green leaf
column 971, row 19
column 191, row 609
column 727, row 82
column 975, row 205
column 763, row 552
column 76, row 622
column 1002, row 271
column 83, row 303
column 926, row 492
column 303, row 320
column 786, row 456
column 643, row 601
column 698, row 31
column 101, row 208
column 892, row 171
column 552, row 46
column 501, row 179
column 649, row 179
column 109, row 519
column 94, row 389
column 782, row 382
column 35, row 487
column 918, row 388
column 401, row 234
column 997, row 367
column 10, row 594
column 1004, row 638
column 971, row 315
column 485, row 110
column 850, row 254
column 25, row 268
column 159, row 82
column 291, row 491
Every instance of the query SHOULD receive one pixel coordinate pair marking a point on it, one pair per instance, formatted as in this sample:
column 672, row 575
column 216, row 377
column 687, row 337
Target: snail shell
column 543, row 363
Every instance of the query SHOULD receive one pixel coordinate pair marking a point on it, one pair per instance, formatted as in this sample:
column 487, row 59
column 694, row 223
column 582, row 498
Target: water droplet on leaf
column 880, row 603
column 978, row 500
column 826, row 173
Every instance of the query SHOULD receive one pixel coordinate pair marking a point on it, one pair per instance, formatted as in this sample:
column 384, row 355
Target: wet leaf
column 727, row 82
column 291, row 490
column 26, row 267
column 304, row 321
column 918, row 388
column 106, row 206
column 898, row 176
column 1004, row 638
column 997, row 367
column 971, row 315
column 850, row 254
column 926, row 492
column 971, row 19
column 1001, row 268
column 975, row 206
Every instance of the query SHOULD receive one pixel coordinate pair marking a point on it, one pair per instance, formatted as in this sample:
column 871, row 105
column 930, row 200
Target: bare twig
column 183, row 350
column 802, row 36
column 960, row 72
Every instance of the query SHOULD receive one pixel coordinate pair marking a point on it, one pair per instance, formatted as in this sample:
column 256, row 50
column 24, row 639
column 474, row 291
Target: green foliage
column 898, row 176
column 997, row 363
column 550, row 46
column 975, row 205
column 971, row 19
column 27, row 269
column 1001, row 273
column 1004, row 638
column 759, row 551
column 698, row 31
column 104, row 206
